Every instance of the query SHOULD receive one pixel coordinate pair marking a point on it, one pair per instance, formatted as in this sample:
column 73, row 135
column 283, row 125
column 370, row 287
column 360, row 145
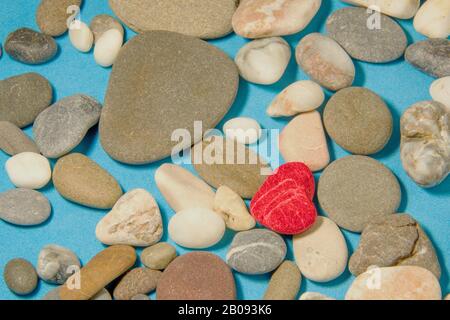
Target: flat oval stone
column 31, row 47
column 20, row 276
column 137, row 281
column 379, row 44
column 102, row 23
column 403, row 9
column 52, row 15
column 430, row 56
column 135, row 220
column 321, row 252
column 199, row 18
column 304, row 140
column 56, row 264
column 62, row 126
column 269, row 18
column 101, row 270
column 196, row 228
column 439, row 91
column 24, row 207
column 23, row 97
column 324, row 60
column 14, row 141
column 28, row 170
column 395, row 283
column 181, row 189
column 197, row 276
column 162, row 70
column 256, row 251
column 284, row 283
column 221, row 162
column 356, row 189
column 394, row 240
column 158, row 256
column 358, row 120
column 79, row 179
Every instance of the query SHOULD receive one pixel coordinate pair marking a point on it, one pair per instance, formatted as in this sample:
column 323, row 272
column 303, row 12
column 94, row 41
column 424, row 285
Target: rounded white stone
column 433, row 19
column 81, row 36
column 321, row 252
column 196, row 228
column 28, row 170
column 263, row 61
column 107, row 47
column 243, row 130
column 403, row 9
column 440, row 91
column 301, row 96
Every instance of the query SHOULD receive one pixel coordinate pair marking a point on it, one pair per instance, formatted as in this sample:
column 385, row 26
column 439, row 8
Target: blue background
column 73, row 226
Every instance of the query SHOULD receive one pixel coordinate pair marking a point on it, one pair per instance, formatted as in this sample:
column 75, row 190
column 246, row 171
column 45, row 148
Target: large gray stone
column 431, row 56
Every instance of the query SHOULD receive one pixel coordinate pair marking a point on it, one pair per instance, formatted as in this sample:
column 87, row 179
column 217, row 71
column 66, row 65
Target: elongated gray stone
column 431, row 56
column 61, row 127
column 23, row 97
column 14, row 141
column 29, row 46
column 24, row 207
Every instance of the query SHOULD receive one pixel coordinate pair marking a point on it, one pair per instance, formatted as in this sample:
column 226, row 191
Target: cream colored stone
column 395, row 283
column 268, row 18
column 321, row 252
column 433, row 19
column 447, row 297
column 403, row 9
column 263, row 61
column 314, row 296
column 233, row 210
column 440, row 91
column 301, row 96
column 81, row 36
column 182, row 190
column 244, row 130
column 107, row 47
column 324, row 60
column 196, row 228
column 304, row 140
column 28, row 170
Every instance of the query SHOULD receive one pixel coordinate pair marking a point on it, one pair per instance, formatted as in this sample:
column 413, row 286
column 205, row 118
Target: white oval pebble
column 107, row 47
column 243, row 130
column 196, row 228
column 403, row 9
column 28, row 170
column 440, row 91
column 433, row 19
column 263, row 61
column 321, row 252
column 81, row 36
column 301, row 96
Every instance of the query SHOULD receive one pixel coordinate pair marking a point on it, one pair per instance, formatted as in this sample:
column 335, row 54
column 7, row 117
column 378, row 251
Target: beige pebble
column 324, row 60
column 28, row 170
column 102, row 295
column 304, row 140
column 301, row 96
column 134, row 220
column 137, row 281
column 158, row 256
column 314, row 296
column 433, row 19
column 243, row 129
column 181, row 189
column 403, row 9
column 107, row 47
column 263, row 61
column 268, row 18
column 233, row 210
column 81, row 36
column 321, row 252
column 284, row 283
column 395, row 283
column 440, row 91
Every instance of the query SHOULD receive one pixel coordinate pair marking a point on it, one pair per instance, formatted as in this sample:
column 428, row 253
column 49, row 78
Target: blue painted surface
column 73, row 226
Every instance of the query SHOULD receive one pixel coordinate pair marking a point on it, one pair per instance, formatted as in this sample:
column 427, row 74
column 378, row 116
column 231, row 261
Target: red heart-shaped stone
column 284, row 202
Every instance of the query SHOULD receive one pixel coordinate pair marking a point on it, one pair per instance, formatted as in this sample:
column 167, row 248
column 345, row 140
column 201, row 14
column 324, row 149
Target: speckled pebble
column 284, row 283
column 20, row 276
column 430, row 56
column 136, row 281
column 158, row 256
column 52, row 15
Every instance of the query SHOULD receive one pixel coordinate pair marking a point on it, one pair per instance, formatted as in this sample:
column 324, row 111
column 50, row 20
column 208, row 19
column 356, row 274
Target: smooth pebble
column 102, row 23
column 20, row 276
column 314, row 296
column 56, row 264
column 403, row 9
column 81, row 36
column 137, row 281
column 14, row 141
column 158, row 256
column 52, row 15
column 430, row 56
column 244, row 130
column 284, row 283
column 433, row 19
column 440, row 92
column 107, row 47
column 28, row 170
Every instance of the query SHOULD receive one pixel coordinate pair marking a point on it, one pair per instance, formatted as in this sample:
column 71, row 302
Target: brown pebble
column 137, row 281
column 158, row 256
column 285, row 282
column 14, row 141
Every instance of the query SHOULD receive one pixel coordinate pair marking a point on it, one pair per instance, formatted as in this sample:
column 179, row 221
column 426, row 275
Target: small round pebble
column 14, row 141
column 284, row 283
column 355, row 189
column 358, row 120
column 28, row 170
column 256, row 251
column 81, row 36
column 20, row 276
column 52, row 15
column 31, row 47
column 158, row 256
column 56, row 264
column 107, row 47
column 102, row 23
column 197, row 276
column 24, row 207
column 136, row 281
column 244, row 130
